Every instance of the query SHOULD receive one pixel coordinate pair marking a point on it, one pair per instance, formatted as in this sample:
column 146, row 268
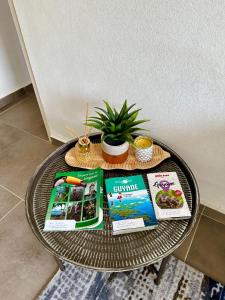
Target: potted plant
column 117, row 129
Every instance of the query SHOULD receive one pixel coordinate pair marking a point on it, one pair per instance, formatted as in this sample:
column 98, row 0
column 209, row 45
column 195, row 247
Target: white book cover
column 167, row 196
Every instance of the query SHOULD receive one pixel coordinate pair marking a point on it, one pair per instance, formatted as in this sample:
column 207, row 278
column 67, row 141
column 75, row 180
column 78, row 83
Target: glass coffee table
column 100, row 250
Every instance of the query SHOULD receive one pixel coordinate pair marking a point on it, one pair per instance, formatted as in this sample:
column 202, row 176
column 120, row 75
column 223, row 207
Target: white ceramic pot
column 115, row 154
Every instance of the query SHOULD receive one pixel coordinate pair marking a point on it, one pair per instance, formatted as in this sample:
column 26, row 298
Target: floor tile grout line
column 189, row 247
column 25, row 131
column 11, row 192
column 202, row 211
column 18, row 203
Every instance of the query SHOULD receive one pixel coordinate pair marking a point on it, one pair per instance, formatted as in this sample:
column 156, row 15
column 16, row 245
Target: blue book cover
column 129, row 204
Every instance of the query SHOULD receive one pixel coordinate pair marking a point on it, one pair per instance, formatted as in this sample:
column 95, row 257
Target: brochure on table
column 129, row 204
column 167, row 196
column 76, row 201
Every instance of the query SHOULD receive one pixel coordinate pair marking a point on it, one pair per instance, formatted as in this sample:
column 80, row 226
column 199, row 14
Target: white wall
column 167, row 56
column 13, row 70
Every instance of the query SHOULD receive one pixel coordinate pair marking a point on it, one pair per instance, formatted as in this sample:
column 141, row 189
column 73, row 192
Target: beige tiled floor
column 25, row 265
column 20, row 116
column 207, row 252
column 204, row 249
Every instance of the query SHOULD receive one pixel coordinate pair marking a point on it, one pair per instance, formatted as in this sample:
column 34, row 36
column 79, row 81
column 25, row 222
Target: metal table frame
column 37, row 198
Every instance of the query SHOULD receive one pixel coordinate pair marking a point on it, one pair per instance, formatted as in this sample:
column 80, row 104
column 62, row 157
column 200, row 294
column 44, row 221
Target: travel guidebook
column 130, row 207
column 76, row 201
column 167, row 196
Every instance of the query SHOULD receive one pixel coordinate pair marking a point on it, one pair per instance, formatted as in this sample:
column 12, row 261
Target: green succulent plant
column 116, row 127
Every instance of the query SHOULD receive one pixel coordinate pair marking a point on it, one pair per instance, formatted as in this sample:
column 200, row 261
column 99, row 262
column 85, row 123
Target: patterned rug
column 179, row 281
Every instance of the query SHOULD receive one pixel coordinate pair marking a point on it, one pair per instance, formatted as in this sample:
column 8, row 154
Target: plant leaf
column 94, row 118
column 97, row 126
column 133, row 115
column 134, row 123
column 109, row 110
column 95, row 121
column 133, row 129
column 129, row 108
column 116, row 114
column 103, row 117
column 123, row 110
column 103, row 110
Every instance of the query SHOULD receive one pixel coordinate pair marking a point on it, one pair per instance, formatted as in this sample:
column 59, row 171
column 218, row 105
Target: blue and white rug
column 179, row 281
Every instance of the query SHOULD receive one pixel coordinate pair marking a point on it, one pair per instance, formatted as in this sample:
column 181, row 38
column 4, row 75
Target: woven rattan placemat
column 94, row 159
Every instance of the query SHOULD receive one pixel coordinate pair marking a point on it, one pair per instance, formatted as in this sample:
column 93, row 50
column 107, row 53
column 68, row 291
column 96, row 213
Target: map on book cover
column 130, row 207
column 76, row 201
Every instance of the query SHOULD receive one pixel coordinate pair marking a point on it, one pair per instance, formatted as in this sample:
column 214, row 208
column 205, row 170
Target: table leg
column 161, row 270
column 150, row 269
column 60, row 263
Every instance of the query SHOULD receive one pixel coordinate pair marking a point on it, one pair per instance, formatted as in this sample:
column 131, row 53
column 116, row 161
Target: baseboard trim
column 56, row 142
column 16, row 96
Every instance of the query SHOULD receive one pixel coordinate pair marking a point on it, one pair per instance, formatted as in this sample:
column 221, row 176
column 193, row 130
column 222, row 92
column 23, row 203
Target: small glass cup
column 82, row 149
column 143, row 148
column 84, row 144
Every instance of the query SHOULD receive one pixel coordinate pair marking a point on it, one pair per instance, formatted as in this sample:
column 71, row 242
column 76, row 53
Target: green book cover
column 130, row 206
column 76, row 201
